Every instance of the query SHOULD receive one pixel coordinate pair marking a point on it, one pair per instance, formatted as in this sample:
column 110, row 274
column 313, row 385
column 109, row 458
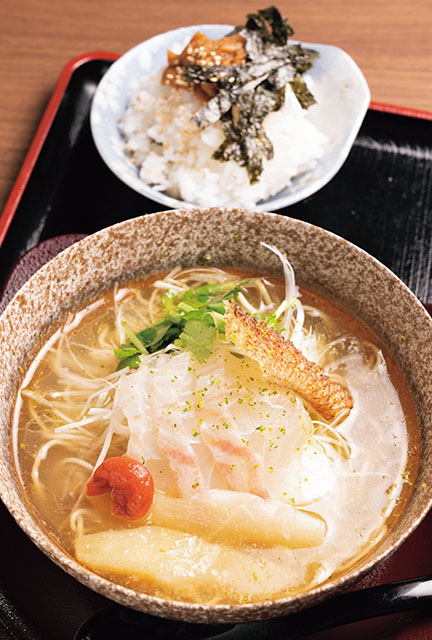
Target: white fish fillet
column 217, row 425
column 237, row 462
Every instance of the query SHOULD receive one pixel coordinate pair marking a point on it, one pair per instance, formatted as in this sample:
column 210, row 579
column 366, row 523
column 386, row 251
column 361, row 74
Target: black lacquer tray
column 380, row 200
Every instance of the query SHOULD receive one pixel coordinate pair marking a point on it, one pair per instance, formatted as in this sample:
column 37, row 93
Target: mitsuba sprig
column 192, row 320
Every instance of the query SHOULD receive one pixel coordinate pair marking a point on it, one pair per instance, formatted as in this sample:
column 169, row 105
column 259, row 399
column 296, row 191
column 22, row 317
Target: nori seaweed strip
column 249, row 77
column 240, row 80
column 247, row 93
column 280, row 29
column 282, row 76
column 302, row 93
column 236, row 79
column 301, row 59
column 245, row 139
column 197, row 73
column 213, row 110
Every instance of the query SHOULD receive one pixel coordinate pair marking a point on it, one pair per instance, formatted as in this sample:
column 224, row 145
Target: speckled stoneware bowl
column 153, row 243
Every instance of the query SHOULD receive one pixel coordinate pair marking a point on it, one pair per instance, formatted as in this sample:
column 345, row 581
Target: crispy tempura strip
column 284, row 364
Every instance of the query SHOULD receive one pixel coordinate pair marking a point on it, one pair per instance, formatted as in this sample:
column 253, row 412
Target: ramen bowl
column 138, row 248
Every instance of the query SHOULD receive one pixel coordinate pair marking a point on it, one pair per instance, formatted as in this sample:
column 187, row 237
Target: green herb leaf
column 213, row 289
column 218, row 307
column 233, row 293
column 189, row 324
column 125, row 351
column 153, row 335
column 271, row 320
column 134, row 338
column 197, row 336
column 200, row 314
column 130, row 361
column 168, row 299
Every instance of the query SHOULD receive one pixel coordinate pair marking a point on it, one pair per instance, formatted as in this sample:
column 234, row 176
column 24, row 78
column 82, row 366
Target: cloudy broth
column 350, row 477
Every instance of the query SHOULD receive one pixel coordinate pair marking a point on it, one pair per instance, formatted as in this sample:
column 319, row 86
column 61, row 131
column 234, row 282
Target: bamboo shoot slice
column 185, row 565
column 241, row 518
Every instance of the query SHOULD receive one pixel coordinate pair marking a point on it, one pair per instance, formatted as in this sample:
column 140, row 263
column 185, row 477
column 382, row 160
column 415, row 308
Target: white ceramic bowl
column 338, row 84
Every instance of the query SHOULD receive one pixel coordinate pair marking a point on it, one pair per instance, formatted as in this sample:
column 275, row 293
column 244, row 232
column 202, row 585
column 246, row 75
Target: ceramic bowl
column 337, row 82
column 157, row 242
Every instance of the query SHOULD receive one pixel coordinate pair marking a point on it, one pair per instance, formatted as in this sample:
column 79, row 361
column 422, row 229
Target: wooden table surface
column 390, row 40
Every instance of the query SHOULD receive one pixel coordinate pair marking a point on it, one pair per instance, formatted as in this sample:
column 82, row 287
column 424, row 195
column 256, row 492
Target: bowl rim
column 275, row 202
column 17, row 504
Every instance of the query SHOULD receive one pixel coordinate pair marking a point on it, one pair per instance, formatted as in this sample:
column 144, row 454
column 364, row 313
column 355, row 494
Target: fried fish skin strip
column 284, row 364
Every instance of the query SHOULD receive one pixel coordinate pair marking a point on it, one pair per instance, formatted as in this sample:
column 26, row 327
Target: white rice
column 173, row 155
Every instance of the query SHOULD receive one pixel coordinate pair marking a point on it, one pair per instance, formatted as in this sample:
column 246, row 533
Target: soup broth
column 257, row 496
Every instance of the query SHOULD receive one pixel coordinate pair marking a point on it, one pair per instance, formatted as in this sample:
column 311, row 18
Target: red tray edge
column 41, row 134
column 54, row 103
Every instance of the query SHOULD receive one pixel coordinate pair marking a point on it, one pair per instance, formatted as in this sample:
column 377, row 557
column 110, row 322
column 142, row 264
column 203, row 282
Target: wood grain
column 390, row 40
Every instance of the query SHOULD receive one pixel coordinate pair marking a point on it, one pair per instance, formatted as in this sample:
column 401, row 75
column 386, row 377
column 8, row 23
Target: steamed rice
column 174, row 156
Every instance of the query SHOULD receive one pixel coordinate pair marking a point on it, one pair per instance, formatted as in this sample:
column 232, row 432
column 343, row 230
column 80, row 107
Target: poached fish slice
column 214, row 425
column 236, row 462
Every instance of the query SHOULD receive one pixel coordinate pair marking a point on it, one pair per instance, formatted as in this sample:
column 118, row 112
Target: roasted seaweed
column 247, row 93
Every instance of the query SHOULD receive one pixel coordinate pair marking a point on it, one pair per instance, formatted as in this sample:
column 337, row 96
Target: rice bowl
column 329, row 128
